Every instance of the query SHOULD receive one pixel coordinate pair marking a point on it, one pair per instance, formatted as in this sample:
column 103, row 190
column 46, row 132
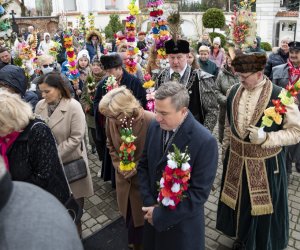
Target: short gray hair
column 179, row 95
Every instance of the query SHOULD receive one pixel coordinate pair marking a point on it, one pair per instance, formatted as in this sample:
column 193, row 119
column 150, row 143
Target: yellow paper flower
column 148, row 84
column 270, row 112
column 297, row 84
column 277, row 119
column 266, row 121
column 285, row 100
column 127, row 167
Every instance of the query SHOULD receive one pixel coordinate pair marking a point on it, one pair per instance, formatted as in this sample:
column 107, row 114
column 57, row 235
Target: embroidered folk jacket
column 203, row 100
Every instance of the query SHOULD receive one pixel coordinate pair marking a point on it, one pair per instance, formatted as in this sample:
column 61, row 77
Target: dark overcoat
column 182, row 228
column 132, row 83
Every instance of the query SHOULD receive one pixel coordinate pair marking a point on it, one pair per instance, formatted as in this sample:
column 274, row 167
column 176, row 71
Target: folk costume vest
column 245, row 155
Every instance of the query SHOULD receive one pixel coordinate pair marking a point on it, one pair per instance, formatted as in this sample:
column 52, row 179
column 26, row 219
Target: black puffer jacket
column 276, row 58
column 33, row 158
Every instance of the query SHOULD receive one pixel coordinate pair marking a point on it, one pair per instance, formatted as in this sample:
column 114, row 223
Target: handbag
column 75, row 170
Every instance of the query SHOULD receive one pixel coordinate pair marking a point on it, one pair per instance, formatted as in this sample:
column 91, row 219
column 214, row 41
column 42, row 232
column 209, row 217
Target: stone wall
column 43, row 24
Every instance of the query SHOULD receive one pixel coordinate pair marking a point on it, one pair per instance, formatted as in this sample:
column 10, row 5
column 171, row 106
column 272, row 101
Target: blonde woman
column 66, row 119
column 121, row 107
column 28, row 147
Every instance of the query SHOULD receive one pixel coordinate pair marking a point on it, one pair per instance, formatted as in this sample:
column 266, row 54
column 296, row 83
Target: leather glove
column 257, row 135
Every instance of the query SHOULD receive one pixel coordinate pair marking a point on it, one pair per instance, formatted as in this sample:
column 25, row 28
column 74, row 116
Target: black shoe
column 298, row 167
column 93, row 149
column 238, row 245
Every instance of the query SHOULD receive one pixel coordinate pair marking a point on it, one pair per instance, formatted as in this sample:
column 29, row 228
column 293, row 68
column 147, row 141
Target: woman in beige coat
column 118, row 105
column 65, row 117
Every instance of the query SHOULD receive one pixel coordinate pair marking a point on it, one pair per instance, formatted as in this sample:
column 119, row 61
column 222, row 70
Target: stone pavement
column 101, row 209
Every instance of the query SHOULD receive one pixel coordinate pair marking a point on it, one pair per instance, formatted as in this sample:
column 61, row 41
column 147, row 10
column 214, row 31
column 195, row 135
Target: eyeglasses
column 245, row 77
column 48, row 65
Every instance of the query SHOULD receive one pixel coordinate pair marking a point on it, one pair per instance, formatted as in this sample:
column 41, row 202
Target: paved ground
column 101, row 209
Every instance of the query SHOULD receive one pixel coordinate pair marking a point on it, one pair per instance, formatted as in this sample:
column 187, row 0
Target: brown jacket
column 128, row 189
column 68, row 127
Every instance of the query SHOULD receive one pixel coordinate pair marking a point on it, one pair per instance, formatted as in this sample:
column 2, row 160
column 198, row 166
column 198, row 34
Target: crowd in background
column 58, row 117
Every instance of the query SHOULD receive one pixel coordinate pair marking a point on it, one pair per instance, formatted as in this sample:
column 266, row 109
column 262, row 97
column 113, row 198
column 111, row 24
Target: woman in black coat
column 28, row 147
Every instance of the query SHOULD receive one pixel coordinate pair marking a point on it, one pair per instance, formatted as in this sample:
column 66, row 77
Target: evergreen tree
column 113, row 26
column 213, row 18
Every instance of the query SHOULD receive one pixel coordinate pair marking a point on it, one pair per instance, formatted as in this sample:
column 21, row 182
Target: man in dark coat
column 181, row 228
column 203, row 102
column 113, row 66
column 282, row 75
column 278, row 57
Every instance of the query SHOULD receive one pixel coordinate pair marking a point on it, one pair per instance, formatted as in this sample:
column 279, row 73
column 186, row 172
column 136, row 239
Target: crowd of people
column 146, row 139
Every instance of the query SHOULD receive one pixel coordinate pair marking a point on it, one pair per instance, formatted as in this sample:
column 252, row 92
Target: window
column 70, row 5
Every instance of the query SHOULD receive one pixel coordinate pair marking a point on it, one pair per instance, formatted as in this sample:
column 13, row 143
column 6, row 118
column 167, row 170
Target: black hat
column 14, row 77
column 181, row 46
column 294, row 45
column 111, row 61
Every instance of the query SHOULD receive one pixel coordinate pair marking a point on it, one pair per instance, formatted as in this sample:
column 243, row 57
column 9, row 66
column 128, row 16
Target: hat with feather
column 176, row 45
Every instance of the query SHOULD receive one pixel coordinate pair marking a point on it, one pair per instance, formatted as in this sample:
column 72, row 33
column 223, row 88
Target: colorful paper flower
column 175, row 179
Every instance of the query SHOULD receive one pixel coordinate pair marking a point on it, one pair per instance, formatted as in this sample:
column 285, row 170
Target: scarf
column 52, row 107
column 5, row 143
column 294, row 73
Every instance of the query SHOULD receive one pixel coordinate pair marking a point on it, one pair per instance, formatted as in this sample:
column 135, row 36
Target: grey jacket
column 224, row 81
column 280, row 75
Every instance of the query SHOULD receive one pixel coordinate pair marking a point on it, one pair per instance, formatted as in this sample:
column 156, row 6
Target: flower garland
column 159, row 30
column 286, row 97
column 91, row 18
column 71, row 57
column 91, row 90
column 150, row 89
column 243, row 25
column 130, row 27
column 127, row 147
column 54, row 50
column 82, row 29
column 175, row 178
column 111, row 83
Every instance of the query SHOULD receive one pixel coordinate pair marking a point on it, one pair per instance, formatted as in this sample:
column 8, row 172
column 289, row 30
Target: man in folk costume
column 113, row 65
column 181, row 226
column 289, row 74
column 253, row 204
column 203, row 101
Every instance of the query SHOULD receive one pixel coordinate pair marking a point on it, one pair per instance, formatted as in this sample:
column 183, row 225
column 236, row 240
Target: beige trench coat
column 128, row 189
column 68, row 127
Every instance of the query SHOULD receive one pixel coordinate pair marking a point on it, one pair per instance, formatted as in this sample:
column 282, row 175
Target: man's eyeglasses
column 48, row 65
column 245, row 76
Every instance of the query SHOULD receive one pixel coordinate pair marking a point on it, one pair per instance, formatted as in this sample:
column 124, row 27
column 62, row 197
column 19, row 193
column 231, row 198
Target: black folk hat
column 294, row 45
column 180, row 46
column 111, row 61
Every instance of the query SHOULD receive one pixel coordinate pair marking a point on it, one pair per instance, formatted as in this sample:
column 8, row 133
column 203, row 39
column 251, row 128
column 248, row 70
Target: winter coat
column 33, row 158
column 209, row 67
column 219, row 59
column 128, row 189
column 68, row 126
column 225, row 80
column 182, row 228
column 276, row 58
